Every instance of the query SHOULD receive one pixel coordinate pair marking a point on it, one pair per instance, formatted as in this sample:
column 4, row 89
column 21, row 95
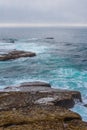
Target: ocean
column 61, row 59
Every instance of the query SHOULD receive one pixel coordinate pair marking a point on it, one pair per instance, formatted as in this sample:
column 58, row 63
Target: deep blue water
column 61, row 61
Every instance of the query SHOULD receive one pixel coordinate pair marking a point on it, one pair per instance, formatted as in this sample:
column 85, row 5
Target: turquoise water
column 61, row 61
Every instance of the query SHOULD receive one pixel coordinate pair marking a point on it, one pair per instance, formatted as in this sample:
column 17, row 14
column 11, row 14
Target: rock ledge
column 16, row 54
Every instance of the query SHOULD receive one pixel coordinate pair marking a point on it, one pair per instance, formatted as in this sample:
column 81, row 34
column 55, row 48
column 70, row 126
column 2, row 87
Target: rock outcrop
column 9, row 40
column 42, row 94
column 49, row 38
column 15, row 54
column 40, row 118
column 37, row 106
column 85, row 105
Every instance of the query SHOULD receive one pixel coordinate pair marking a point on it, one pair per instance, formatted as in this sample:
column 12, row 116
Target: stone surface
column 36, row 114
column 41, row 118
column 15, row 54
column 41, row 93
column 36, row 107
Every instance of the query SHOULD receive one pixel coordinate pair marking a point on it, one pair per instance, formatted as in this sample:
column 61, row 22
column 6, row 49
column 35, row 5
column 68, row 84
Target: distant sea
column 61, row 61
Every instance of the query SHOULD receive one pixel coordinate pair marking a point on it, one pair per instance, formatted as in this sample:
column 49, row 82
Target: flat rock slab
column 16, row 54
column 30, row 86
column 39, row 93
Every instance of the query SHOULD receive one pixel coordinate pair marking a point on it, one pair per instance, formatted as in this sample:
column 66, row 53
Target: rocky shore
column 37, row 106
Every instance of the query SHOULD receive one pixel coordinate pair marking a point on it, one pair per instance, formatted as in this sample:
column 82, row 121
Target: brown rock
column 16, row 54
column 37, row 117
column 38, row 93
column 76, row 95
column 77, row 125
column 37, row 106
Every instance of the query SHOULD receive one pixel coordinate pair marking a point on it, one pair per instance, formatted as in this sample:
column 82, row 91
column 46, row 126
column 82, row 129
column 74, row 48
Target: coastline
column 36, row 105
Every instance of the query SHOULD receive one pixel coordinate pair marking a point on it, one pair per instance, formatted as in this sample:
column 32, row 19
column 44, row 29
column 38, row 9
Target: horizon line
column 42, row 25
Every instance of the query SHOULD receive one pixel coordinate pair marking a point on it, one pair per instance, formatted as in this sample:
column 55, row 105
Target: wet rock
column 16, row 54
column 37, row 93
column 49, row 38
column 57, row 101
column 85, row 105
column 8, row 88
column 9, row 40
column 76, row 95
column 68, row 44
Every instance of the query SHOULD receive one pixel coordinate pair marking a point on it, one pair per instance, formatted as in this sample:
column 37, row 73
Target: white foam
column 82, row 110
column 34, row 47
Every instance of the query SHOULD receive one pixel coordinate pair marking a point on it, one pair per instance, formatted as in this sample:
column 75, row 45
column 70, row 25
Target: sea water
column 61, row 61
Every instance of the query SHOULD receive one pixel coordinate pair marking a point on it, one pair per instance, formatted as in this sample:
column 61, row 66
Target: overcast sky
column 43, row 11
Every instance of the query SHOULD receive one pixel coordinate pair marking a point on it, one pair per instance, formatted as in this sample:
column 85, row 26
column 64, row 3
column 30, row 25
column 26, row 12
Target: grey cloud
column 43, row 11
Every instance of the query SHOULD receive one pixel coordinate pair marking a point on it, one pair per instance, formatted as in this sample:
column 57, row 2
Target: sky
column 43, row 12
